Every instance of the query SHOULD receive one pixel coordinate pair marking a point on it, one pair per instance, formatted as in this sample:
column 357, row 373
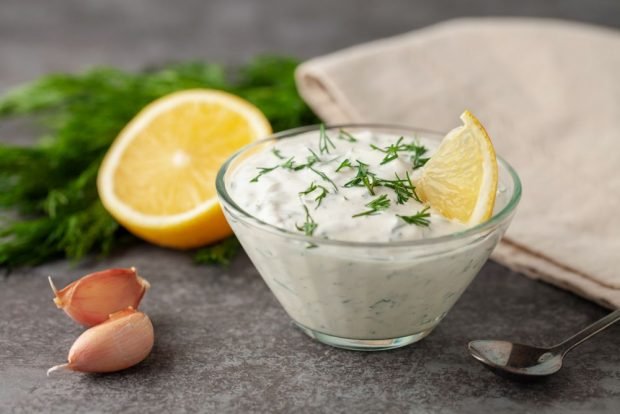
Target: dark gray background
column 223, row 343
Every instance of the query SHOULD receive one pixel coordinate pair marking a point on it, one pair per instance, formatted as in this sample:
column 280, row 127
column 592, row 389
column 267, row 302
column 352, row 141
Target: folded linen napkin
column 549, row 94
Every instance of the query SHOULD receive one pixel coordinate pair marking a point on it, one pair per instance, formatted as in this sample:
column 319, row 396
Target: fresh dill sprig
column 289, row 164
column 310, row 161
column 50, row 189
column 344, row 164
column 416, row 157
column 262, row 171
column 419, row 219
column 346, row 136
column 324, row 141
column 277, row 153
column 313, row 158
column 324, row 177
column 319, row 198
column 392, row 150
column 380, row 203
column 221, row 253
column 309, row 225
column 363, row 178
column 403, row 187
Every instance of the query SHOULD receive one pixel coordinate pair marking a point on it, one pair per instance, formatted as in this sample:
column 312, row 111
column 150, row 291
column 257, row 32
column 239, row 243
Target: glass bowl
column 359, row 295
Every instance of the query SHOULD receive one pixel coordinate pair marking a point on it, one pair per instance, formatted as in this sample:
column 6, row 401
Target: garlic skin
column 122, row 341
column 92, row 298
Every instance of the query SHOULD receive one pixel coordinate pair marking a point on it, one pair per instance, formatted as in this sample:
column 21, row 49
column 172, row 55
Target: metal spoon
column 524, row 362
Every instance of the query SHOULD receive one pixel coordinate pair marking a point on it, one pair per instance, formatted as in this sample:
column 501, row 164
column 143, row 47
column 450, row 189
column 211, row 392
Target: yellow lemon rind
column 199, row 226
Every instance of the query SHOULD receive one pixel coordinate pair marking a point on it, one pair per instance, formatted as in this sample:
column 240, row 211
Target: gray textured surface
column 223, row 343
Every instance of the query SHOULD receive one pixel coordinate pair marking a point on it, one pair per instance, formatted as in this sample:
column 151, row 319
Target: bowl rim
column 227, row 201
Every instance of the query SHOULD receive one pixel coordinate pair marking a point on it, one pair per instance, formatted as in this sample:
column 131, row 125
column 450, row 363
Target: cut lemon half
column 460, row 179
column 158, row 177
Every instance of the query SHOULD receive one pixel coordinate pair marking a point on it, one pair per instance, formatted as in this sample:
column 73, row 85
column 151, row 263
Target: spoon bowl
column 525, row 362
column 515, row 360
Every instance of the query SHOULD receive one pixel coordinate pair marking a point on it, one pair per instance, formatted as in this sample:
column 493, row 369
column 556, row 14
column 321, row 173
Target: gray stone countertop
column 223, row 344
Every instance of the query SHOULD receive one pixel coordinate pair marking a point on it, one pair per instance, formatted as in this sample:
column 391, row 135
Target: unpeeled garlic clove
column 92, row 298
column 122, row 341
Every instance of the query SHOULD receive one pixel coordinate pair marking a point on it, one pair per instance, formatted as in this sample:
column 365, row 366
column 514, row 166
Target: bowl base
column 364, row 344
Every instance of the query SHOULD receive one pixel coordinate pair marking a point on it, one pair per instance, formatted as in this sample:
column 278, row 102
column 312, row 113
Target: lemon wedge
column 460, row 179
column 158, row 177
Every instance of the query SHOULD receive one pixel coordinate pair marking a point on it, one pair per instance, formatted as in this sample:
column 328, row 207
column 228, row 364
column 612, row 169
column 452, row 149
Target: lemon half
column 158, row 177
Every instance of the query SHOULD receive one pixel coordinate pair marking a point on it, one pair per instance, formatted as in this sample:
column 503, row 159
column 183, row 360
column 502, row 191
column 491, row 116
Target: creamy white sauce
column 275, row 196
column 354, row 292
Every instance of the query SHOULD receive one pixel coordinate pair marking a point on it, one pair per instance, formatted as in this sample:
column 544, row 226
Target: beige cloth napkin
column 549, row 94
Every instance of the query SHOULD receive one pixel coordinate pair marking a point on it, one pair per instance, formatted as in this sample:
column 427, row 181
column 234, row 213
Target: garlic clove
column 122, row 341
column 92, row 298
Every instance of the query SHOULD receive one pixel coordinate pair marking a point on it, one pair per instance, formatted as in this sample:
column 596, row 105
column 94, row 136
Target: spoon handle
column 587, row 333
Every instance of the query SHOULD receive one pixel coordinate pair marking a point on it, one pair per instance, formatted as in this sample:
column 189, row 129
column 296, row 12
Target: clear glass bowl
column 366, row 296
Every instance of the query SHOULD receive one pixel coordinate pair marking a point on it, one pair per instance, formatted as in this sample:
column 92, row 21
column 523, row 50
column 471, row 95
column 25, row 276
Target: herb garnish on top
column 391, row 152
column 419, row 219
column 380, row 203
column 309, row 225
column 324, row 141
